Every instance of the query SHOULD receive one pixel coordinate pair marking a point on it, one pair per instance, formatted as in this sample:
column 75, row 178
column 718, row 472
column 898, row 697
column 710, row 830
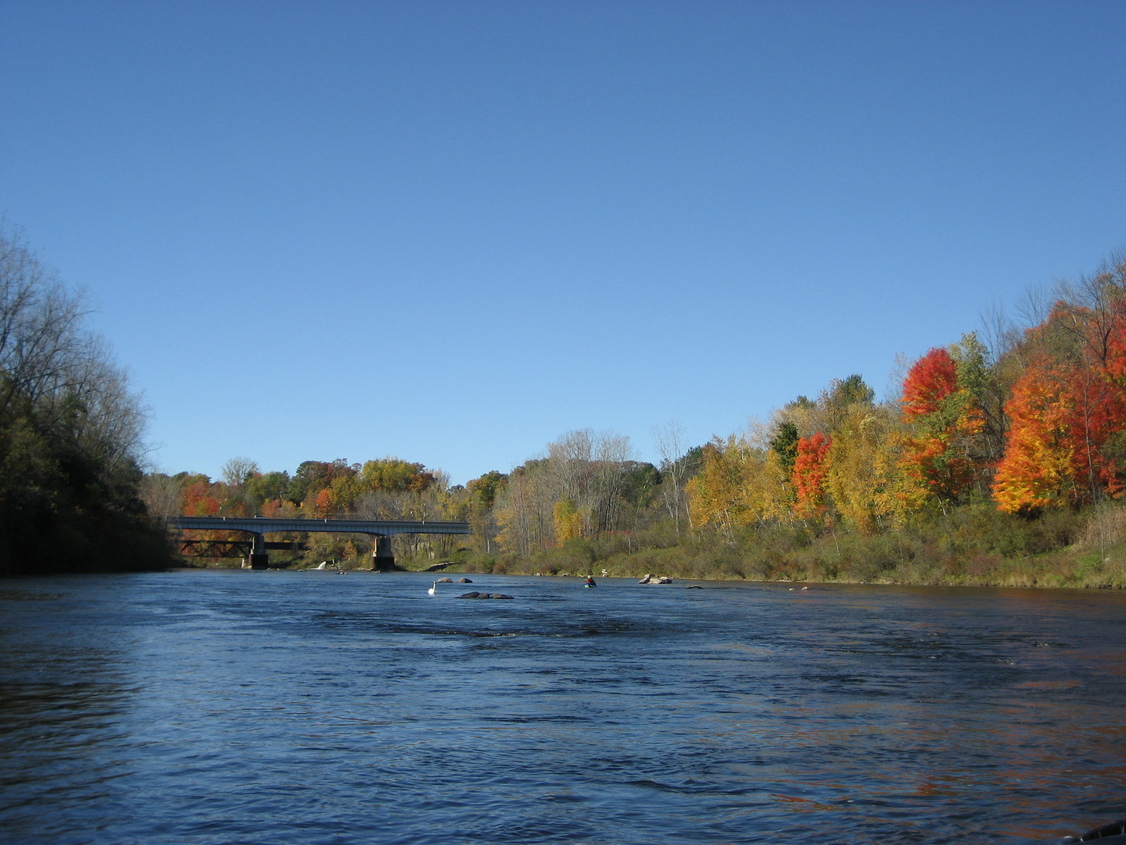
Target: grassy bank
column 973, row 546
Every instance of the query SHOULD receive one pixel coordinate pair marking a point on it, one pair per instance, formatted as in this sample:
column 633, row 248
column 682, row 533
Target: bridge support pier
column 258, row 558
column 382, row 558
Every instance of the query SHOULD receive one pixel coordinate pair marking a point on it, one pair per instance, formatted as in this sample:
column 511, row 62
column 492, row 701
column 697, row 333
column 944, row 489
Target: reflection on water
column 219, row 707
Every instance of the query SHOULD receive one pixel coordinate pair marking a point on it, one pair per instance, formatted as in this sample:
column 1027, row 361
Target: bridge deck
column 264, row 525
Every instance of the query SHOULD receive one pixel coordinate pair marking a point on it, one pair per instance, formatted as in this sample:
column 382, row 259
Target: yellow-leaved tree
column 863, row 476
column 739, row 485
column 568, row 521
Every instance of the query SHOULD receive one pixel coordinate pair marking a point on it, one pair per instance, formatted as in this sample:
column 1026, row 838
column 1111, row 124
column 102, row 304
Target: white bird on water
column 433, row 590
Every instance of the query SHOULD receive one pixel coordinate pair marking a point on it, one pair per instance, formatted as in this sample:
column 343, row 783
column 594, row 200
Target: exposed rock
column 476, row 595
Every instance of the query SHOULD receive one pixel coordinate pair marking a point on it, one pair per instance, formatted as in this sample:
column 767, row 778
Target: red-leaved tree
column 808, row 476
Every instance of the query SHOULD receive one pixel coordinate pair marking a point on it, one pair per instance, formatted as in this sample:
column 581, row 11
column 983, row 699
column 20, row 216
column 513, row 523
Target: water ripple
column 284, row 708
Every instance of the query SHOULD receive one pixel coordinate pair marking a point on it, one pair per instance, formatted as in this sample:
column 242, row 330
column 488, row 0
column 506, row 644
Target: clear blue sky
column 453, row 231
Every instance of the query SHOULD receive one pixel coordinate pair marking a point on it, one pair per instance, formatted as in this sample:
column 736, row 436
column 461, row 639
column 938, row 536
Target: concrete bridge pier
column 382, row 558
column 258, row 558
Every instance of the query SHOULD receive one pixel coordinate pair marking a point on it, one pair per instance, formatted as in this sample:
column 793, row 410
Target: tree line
column 1007, row 445
column 991, row 451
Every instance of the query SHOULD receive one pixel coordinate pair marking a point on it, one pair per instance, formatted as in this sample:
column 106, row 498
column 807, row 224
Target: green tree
column 70, row 434
column 785, row 444
column 267, row 487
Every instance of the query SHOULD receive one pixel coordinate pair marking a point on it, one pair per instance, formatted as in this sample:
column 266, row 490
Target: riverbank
column 1066, row 569
column 972, row 547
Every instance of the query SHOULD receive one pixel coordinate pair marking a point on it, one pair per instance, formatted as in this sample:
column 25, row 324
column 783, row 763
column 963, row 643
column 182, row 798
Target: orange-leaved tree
column 1068, row 409
column 199, row 498
column 324, row 502
column 944, row 420
column 1036, row 471
column 929, row 382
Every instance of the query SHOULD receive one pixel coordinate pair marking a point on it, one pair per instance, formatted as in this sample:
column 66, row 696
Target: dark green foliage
column 63, row 509
column 640, row 483
column 693, row 461
column 69, row 437
column 484, row 490
column 785, row 444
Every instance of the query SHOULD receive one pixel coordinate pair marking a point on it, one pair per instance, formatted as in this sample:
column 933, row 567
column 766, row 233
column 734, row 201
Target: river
column 313, row 707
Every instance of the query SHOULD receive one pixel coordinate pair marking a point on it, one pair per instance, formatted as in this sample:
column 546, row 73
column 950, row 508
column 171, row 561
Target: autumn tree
column 931, row 381
column 324, row 503
column 312, row 476
column 1064, row 445
column 863, row 475
column 739, row 485
column 808, row 475
column 525, row 510
column 482, row 494
column 200, row 497
column 270, row 487
column 944, row 420
column 1068, row 408
column 1037, row 468
column 392, row 488
column 566, row 521
column 715, row 494
column 394, row 474
column 835, row 403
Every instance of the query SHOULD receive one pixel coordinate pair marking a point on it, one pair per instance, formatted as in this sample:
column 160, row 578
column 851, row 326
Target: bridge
column 258, row 527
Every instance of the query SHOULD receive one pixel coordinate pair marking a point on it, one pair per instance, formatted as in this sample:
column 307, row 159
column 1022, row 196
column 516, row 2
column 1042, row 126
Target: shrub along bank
column 972, row 546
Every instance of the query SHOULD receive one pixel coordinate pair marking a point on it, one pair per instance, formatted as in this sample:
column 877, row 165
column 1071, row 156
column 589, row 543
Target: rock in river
column 477, row 595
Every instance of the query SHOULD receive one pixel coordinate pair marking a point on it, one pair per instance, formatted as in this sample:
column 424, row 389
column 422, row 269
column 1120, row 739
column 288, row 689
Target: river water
column 313, row 707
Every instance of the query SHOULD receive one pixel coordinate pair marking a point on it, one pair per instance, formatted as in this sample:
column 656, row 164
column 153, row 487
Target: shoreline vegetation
column 1001, row 461
column 1067, row 550
column 1096, row 559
